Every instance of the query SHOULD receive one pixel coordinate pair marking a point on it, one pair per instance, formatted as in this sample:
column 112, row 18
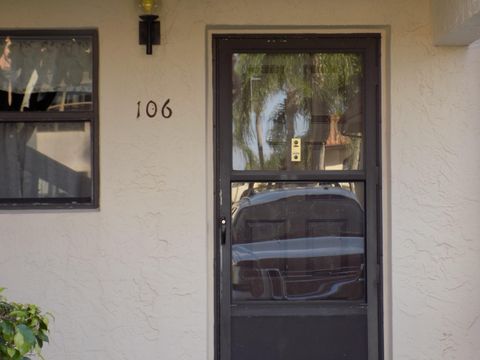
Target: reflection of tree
column 259, row 77
column 311, row 85
column 337, row 81
column 337, row 76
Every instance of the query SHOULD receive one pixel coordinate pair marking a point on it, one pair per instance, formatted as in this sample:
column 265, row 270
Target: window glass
column 298, row 241
column 299, row 111
column 45, row 160
column 45, row 74
column 48, row 119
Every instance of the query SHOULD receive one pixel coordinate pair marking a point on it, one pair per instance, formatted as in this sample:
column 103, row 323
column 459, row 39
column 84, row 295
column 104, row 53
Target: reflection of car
column 298, row 244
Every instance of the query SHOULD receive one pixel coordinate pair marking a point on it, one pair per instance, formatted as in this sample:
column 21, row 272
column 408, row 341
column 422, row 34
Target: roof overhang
column 455, row 22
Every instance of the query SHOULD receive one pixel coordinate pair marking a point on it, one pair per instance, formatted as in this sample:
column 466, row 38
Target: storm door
column 297, row 197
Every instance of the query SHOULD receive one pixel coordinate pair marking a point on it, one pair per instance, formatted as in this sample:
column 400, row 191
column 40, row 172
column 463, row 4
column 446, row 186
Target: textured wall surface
column 131, row 281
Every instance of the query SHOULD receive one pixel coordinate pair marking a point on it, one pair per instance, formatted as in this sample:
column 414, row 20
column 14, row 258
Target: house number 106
column 151, row 109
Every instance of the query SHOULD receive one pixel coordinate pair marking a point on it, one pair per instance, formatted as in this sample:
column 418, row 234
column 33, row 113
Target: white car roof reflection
column 308, row 247
column 277, row 194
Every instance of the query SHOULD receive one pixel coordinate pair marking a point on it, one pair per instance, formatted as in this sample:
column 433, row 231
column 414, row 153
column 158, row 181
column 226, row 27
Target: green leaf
column 41, row 335
column 25, row 349
column 43, row 325
column 7, row 328
column 11, row 352
column 18, row 314
column 27, row 334
column 18, row 340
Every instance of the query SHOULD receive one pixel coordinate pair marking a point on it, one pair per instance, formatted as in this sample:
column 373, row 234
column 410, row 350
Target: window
column 48, row 119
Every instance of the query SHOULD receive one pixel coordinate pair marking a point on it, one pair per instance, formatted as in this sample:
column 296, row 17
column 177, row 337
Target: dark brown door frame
column 223, row 48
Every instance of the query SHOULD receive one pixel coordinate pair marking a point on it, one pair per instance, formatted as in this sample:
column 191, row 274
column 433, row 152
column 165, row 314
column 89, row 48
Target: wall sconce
column 149, row 26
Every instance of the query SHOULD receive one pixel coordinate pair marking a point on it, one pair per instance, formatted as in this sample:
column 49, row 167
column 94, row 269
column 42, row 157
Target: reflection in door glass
column 298, row 241
column 314, row 98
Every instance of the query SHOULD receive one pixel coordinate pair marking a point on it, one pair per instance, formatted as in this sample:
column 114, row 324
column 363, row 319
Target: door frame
column 384, row 289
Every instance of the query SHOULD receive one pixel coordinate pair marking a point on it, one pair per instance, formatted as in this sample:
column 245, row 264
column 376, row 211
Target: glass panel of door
column 297, row 241
column 297, row 111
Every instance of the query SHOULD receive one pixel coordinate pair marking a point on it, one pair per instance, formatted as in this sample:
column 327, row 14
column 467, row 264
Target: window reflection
column 312, row 96
column 302, row 241
column 45, row 160
column 45, row 74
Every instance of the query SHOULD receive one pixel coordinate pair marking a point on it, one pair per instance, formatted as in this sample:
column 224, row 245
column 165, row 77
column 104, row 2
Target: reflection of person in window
column 14, row 77
column 5, row 61
column 7, row 76
column 21, row 65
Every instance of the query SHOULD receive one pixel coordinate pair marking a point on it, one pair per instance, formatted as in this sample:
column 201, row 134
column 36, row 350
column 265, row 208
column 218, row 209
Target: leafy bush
column 23, row 330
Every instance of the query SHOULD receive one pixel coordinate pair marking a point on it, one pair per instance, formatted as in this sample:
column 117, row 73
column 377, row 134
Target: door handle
column 223, row 230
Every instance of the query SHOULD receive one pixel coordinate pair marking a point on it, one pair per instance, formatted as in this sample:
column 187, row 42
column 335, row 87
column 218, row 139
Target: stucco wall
column 131, row 281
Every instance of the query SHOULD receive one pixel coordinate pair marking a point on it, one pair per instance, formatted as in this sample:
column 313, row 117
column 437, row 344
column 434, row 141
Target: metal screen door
column 297, row 197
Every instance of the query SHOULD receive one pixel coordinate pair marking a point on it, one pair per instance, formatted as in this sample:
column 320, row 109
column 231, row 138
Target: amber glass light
column 148, row 6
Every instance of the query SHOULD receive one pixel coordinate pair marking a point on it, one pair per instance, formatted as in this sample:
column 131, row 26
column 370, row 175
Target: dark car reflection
column 298, row 243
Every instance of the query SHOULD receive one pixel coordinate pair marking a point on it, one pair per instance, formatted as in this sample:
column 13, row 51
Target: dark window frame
column 224, row 45
column 91, row 117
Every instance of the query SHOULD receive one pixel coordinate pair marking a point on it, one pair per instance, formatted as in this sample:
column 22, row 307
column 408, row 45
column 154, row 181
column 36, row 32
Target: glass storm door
column 297, row 197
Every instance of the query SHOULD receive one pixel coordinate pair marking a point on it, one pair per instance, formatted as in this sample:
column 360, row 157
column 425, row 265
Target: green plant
column 23, row 330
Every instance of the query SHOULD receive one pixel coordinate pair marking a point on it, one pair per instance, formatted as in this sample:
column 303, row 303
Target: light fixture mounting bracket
column 149, row 32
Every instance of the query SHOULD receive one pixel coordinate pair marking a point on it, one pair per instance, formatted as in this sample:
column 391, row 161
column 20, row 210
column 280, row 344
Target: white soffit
column 456, row 22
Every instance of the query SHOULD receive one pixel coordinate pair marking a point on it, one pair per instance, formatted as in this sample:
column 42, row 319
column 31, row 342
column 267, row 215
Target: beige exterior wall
column 133, row 280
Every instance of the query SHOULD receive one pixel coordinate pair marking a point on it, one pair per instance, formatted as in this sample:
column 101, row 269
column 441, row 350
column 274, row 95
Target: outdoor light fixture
column 149, row 26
